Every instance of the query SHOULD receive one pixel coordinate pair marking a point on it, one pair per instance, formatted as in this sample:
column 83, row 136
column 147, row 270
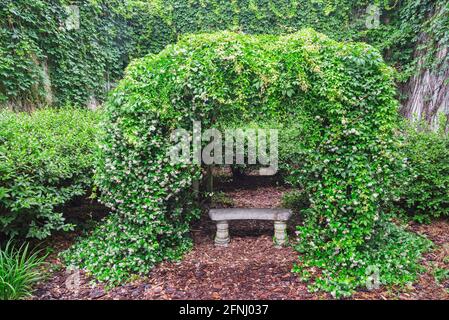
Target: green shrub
column 297, row 201
column 46, row 159
column 19, row 270
column 221, row 199
column 425, row 191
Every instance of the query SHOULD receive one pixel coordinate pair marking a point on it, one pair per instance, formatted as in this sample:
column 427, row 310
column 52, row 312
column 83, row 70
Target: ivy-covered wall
column 41, row 61
column 70, row 52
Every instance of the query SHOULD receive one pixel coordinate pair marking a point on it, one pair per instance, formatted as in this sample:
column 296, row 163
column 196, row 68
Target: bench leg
column 280, row 233
column 222, row 237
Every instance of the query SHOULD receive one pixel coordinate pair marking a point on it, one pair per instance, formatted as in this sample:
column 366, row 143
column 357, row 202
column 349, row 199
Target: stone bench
column 222, row 216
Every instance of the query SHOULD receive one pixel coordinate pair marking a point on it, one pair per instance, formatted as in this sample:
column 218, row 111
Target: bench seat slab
column 250, row 214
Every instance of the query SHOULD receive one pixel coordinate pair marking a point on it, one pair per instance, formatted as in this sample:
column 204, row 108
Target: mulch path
column 249, row 268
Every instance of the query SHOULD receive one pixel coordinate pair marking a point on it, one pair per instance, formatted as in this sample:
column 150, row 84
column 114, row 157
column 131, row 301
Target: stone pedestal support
column 280, row 233
column 222, row 237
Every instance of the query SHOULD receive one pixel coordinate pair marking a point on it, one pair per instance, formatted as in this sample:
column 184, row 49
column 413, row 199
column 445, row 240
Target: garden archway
column 334, row 103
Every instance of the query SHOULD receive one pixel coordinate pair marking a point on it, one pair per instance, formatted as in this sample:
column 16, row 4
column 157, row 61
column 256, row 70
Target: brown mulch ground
column 249, row 268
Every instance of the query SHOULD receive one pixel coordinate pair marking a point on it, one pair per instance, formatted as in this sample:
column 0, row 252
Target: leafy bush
column 424, row 193
column 18, row 271
column 221, row 199
column 296, row 200
column 46, row 159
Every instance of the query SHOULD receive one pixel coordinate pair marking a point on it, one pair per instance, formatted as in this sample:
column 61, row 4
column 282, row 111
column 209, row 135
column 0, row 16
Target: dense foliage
column 41, row 59
column 19, row 271
column 339, row 98
column 332, row 102
column 424, row 191
column 50, row 55
column 46, row 159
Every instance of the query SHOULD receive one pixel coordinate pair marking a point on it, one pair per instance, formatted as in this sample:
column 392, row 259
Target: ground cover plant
column 341, row 98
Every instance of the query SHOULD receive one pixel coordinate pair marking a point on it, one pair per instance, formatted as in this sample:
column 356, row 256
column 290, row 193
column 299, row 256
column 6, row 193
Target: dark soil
column 249, row 268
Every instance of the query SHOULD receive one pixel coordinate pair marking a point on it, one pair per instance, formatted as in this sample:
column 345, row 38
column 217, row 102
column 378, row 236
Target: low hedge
column 46, row 159
column 424, row 191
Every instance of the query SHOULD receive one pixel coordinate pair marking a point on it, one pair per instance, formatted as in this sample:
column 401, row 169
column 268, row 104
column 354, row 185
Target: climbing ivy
column 44, row 60
column 338, row 98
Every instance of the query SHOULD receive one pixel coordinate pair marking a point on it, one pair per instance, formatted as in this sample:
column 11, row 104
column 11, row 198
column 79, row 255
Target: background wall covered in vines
column 42, row 61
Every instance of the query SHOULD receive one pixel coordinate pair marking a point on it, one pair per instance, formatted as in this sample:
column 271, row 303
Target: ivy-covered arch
column 335, row 100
